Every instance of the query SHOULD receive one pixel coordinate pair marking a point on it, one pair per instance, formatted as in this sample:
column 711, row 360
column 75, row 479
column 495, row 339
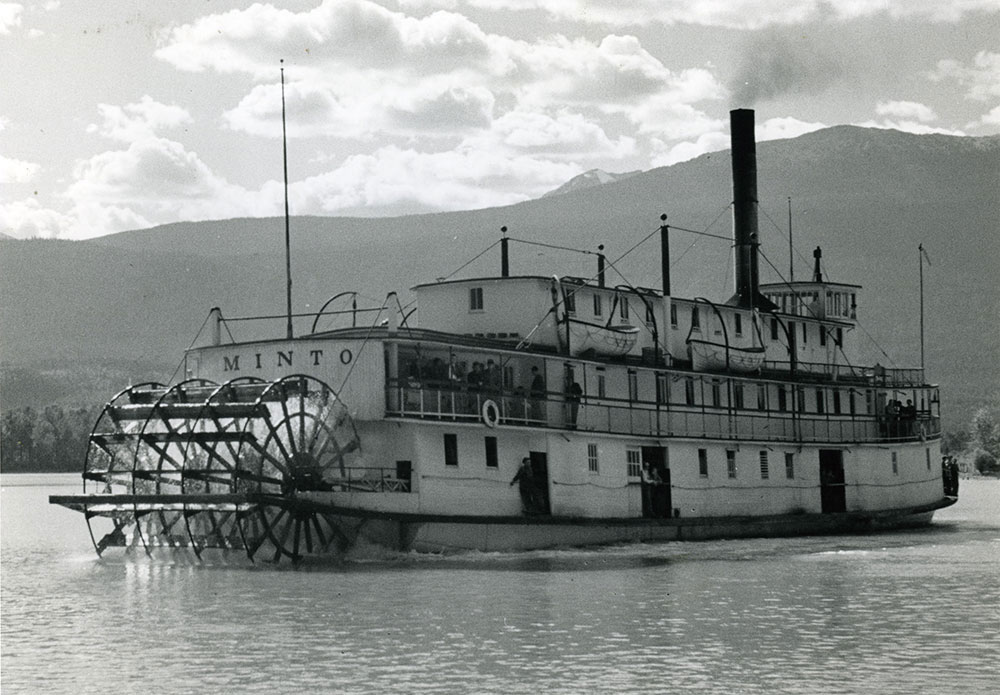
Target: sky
column 120, row 115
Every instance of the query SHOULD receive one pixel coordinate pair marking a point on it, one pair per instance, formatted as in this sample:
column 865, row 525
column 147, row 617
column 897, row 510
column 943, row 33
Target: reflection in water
column 893, row 613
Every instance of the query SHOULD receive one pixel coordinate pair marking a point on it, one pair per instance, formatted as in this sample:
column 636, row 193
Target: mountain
column 589, row 179
column 125, row 306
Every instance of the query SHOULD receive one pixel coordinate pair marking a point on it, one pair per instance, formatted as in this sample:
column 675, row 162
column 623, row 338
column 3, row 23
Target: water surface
column 906, row 612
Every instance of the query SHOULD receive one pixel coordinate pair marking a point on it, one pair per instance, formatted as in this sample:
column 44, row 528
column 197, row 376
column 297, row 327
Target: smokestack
column 600, row 265
column 744, row 155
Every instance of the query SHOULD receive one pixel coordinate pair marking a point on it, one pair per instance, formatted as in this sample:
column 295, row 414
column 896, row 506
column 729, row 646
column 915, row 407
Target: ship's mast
column 288, row 243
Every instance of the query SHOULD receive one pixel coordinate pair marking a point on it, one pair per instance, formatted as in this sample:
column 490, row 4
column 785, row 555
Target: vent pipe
column 504, row 254
column 817, row 272
column 600, row 265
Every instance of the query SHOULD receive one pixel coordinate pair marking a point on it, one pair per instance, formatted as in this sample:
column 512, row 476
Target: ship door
column 832, row 488
column 655, row 482
column 540, row 469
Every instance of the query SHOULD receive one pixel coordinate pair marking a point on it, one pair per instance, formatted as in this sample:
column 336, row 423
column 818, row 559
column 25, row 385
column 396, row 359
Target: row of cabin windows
column 451, row 451
column 820, row 401
column 842, row 304
column 837, row 332
column 731, row 468
column 492, row 457
column 633, row 459
column 476, row 303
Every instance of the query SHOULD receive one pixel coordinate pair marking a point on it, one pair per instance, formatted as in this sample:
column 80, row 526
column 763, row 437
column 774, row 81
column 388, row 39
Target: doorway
column 832, row 485
column 540, row 473
column 656, row 501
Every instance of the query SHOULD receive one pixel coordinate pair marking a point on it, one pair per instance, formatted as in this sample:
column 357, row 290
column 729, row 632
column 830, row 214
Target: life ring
column 490, row 413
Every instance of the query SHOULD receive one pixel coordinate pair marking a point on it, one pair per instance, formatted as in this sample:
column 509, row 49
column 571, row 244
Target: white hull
column 439, row 534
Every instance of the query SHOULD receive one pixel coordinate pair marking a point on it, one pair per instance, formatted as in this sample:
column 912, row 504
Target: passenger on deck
column 573, row 398
column 525, row 478
column 537, row 392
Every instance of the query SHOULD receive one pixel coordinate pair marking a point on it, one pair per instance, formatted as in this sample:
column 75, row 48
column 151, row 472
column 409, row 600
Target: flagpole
column 920, row 250
column 288, row 244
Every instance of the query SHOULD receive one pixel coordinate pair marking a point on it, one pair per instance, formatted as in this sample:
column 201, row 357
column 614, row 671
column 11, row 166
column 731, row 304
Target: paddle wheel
column 203, row 465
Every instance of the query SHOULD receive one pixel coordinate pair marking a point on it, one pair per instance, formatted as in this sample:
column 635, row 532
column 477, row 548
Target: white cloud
column 784, row 128
column 25, row 219
column 735, row 14
column 910, row 110
column 667, row 154
column 317, row 109
column 460, row 179
column 138, row 120
column 344, row 33
column 992, row 117
column 10, row 16
column 16, row 170
column 907, row 126
column 981, row 79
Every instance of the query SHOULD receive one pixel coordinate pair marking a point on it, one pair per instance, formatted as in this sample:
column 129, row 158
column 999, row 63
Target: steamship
column 525, row 412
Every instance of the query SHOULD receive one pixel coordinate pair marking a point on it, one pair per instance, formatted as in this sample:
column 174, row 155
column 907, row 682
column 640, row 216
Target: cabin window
column 822, row 335
column 765, row 469
column 839, row 340
column 774, row 328
column 716, row 393
column 602, row 386
column 801, row 396
column 836, row 402
column 731, row 463
column 492, row 460
column 703, row 463
column 782, row 398
column 739, row 324
column 789, row 465
column 820, row 401
column 475, row 299
column 761, row 397
column 805, row 333
column 695, row 319
column 662, row 389
column 633, row 386
column 738, row 395
column 927, row 456
column 895, row 463
column 598, row 305
column 689, row 391
column 570, row 298
column 852, row 408
column 633, row 463
column 592, row 462
column 673, row 315
column 623, row 308
column 451, row 449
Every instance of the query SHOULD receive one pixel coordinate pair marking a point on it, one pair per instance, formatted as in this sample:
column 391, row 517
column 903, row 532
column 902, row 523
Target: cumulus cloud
column 981, row 79
column 397, row 178
column 733, row 14
column 10, row 16
column 909, row 110
column 992, row 118
column 346, row 33
column 138, row 120
column 784, row 128
column 16, row 170
column 25, row 219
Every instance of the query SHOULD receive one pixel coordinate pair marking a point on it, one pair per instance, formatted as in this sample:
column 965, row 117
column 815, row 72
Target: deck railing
column 847, row 373
column 369, row 479
column 404, row 399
